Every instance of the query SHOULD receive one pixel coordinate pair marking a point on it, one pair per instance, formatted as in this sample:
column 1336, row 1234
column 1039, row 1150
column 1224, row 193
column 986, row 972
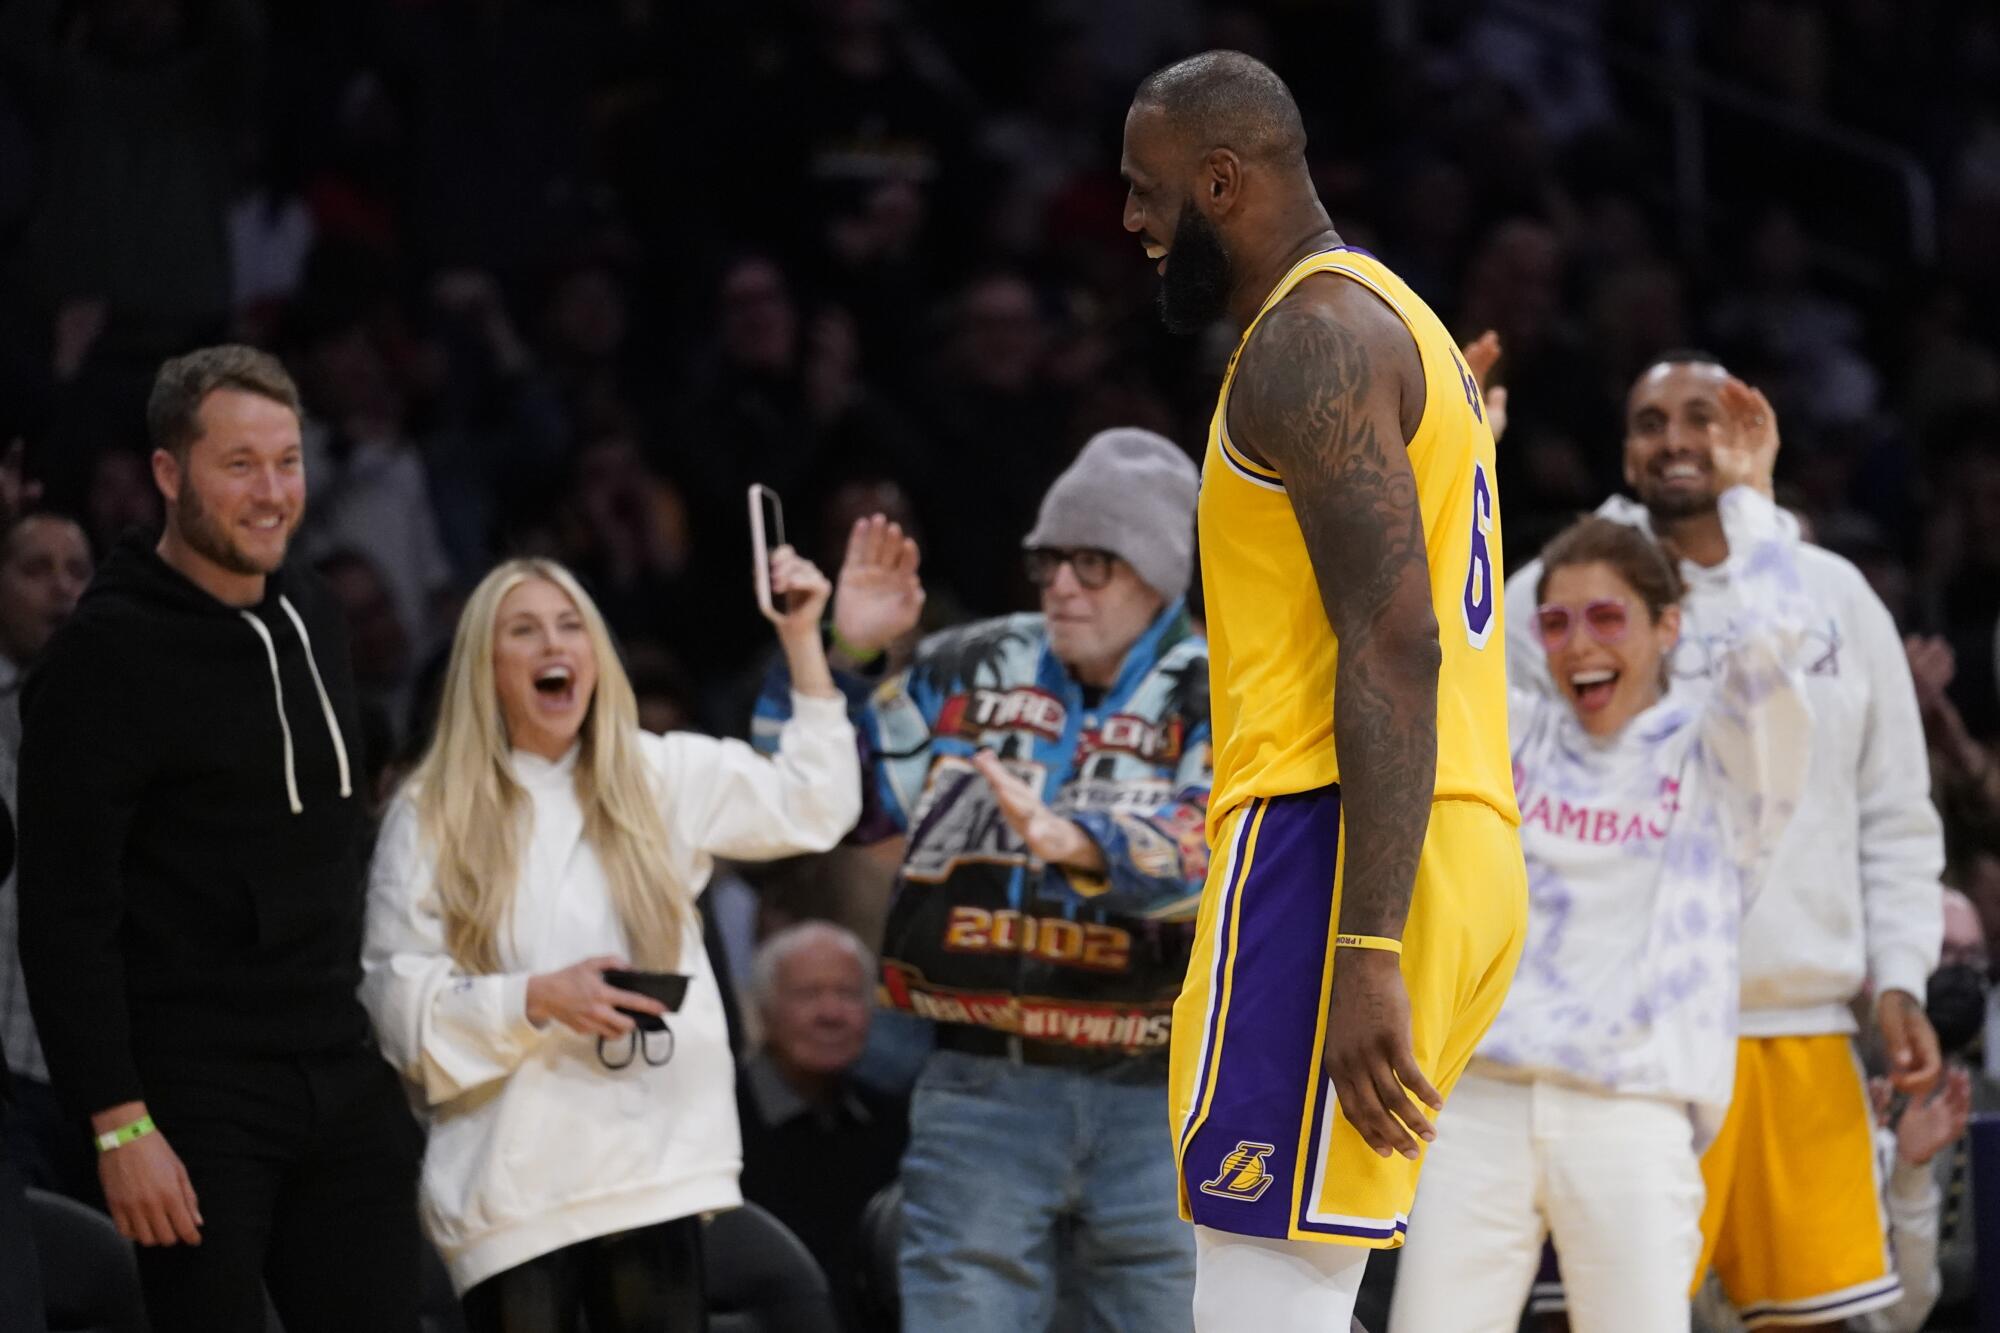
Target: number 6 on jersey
column 1479, row 591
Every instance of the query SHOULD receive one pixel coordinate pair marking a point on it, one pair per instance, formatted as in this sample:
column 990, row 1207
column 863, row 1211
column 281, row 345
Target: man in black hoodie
column 191, row 888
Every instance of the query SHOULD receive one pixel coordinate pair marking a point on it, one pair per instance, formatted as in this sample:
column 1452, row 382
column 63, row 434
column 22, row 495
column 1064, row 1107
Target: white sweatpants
column 1615, row 1179
column 1247, row 1284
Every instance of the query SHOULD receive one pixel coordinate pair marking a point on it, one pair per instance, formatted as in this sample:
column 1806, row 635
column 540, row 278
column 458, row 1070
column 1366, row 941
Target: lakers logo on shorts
column 1242, row 1175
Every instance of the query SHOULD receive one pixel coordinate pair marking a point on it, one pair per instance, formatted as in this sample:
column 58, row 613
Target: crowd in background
column 566, row 277
column 563, row 278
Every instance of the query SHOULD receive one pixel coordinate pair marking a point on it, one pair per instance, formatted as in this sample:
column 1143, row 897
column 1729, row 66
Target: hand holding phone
column 791, row 591
column 792, row 594
column 767, row 535
column 669, row 988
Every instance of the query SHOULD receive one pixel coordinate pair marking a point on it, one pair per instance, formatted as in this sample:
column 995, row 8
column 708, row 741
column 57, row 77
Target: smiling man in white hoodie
column 1793, row 1224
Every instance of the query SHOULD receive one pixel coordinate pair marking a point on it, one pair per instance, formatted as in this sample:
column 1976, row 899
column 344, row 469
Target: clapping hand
column 1050, row 836
column 1930, row 1125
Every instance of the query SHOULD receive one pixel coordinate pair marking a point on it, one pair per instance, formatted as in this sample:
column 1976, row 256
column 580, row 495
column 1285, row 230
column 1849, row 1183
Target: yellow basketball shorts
column 1793, row 1225
column 1262, row 1146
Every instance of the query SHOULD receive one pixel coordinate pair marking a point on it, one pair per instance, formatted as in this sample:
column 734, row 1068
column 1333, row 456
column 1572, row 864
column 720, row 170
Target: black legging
column 643, row 1281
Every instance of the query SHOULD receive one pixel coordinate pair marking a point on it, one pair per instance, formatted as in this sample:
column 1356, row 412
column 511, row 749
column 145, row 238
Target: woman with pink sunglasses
column 1646, row 820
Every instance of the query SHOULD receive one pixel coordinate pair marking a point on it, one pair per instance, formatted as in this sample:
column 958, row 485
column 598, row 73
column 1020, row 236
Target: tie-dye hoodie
column 1644, row 848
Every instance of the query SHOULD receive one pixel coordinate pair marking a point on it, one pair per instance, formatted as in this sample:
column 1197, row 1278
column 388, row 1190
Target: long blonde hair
column 470, row 806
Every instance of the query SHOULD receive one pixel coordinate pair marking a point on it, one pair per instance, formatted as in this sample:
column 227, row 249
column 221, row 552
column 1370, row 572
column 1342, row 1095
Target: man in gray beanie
column 1130, row 492
column 1050, row 774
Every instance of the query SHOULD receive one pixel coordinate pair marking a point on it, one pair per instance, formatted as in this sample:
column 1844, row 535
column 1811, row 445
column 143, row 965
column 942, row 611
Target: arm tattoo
column 1315, row 399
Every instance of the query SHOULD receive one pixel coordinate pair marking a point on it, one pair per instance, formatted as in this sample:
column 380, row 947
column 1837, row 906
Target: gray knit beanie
column 1132, row 493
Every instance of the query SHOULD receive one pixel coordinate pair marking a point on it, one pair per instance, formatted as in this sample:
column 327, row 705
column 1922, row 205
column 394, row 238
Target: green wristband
column 125, row 1134
column 859, row 656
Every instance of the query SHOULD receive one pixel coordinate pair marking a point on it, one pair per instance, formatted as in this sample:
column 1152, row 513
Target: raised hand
column 1481, row 354
column 880, row 597
column 1745, row 453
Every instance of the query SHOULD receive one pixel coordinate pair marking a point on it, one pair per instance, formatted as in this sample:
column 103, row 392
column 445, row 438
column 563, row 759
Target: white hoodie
column 534, row 1143
column 1643, row 847
column 1853, row 887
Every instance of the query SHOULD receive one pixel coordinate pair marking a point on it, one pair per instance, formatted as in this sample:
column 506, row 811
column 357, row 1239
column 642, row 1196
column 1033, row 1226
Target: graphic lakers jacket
column 980, row 931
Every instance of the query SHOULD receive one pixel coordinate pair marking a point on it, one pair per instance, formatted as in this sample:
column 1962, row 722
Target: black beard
column 1194, row 291
column 1673, row 508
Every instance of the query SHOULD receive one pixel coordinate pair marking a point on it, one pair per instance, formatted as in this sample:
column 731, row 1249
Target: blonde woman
column 543, row 840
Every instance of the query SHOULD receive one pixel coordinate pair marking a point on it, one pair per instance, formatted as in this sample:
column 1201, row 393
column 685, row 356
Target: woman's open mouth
column 1592, row 689
column 555, row 687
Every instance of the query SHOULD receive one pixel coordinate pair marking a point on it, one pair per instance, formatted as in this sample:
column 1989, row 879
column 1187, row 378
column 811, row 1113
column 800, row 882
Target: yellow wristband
column 1382, row 942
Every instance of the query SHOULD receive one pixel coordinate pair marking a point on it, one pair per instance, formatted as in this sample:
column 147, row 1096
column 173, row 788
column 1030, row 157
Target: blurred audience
column 818, row 1143
column 45, row 564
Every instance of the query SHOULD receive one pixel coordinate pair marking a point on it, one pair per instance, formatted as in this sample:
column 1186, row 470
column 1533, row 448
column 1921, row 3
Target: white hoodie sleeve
column 447, row 1032
column 1901, row 837
column 1756, row 724
column 726, row 799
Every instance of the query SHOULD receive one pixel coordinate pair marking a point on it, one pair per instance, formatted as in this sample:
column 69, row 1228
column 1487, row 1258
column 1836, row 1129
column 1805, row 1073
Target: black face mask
column 1956, row 1005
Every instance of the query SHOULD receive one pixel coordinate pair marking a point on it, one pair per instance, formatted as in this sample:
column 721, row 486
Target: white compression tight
column 1273, row 1286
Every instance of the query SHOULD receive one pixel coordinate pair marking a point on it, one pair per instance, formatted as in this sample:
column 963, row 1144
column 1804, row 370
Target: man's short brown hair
column 173, row 419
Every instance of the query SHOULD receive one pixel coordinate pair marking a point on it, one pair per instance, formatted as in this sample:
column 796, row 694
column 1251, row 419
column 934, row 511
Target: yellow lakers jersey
column 1271, row 650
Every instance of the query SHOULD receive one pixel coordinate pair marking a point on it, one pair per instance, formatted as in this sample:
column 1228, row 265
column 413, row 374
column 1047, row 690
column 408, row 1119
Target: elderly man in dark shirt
column 817, row 1144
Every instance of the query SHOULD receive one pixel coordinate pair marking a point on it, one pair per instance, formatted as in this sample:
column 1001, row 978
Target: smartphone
column 669, row 988
column 767, row 534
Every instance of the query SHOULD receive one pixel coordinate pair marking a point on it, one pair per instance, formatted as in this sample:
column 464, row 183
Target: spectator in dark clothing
column 20, row 1273
column 886, row 121
column 624, row 530
column 817, row 1144
column 384, row 666
column 782, row 397
column 44, row 567
column 497, row 94
column 120, row 499
column 373, row 491
column 141, row 104
column 191, row 892
column 1004, row 423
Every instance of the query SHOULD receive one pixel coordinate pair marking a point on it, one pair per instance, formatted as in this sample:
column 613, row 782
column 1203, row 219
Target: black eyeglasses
column 1093, row 567
column 641, row 1046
